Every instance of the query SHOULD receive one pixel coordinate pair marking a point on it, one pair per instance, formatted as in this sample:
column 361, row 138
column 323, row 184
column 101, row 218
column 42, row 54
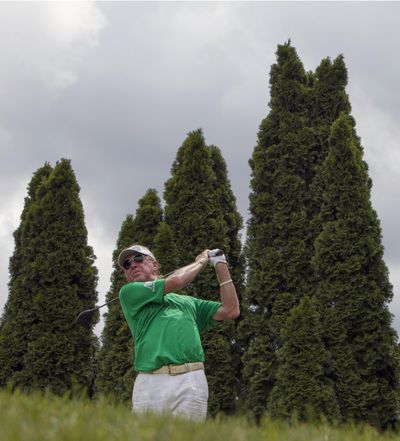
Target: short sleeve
column 205, row 309
column 133, row 296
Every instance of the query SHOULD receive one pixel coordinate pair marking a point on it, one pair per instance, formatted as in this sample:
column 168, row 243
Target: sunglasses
column 138, row 258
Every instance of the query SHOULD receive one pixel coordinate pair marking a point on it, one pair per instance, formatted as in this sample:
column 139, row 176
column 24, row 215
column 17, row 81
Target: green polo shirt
column 165, row 328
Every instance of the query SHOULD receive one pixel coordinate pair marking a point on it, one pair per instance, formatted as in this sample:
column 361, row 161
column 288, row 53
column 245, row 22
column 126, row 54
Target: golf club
column 84, row 318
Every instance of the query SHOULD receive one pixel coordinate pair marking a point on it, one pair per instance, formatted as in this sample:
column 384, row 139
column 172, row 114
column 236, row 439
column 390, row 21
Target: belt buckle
column 175, row 369
column 172, row 370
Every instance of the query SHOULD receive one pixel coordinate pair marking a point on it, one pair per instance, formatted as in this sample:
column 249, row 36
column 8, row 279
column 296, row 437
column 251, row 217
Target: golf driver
column 84, row 318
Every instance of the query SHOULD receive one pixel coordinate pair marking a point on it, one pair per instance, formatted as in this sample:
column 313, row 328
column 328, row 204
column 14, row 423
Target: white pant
column 181, row 395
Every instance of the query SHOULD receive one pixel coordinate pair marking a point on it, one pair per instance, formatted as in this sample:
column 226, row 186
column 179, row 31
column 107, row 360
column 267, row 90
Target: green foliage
column 232, row 218
column 192, row 209
column 46, row 418
column 56, row 279
column 165, row 249
column 259, row 366
column 115, row 356
column 353, row 285
column 329, row 99
column 302, row 387
column 115, row 376
column 312, row 232
column 279, row 245
column 234, row 223
column 200, row 209
column 13, row 344
column 329, row 91
column 147, row 219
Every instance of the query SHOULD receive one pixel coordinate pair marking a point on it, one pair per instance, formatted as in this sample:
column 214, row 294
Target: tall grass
column 42, row 417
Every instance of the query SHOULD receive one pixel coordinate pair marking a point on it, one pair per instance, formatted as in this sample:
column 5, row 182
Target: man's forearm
column 230, row 303
column 185, row 275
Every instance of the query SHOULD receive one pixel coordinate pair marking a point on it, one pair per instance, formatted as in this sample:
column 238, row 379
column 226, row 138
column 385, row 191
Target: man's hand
column 213, row 260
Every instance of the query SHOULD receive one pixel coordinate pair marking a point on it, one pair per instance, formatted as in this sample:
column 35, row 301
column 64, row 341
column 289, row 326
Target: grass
column 44, row 417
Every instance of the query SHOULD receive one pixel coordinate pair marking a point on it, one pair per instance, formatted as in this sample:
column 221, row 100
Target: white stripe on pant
column 183, row 395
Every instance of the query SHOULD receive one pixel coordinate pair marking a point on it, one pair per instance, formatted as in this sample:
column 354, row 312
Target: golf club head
column 85, row 317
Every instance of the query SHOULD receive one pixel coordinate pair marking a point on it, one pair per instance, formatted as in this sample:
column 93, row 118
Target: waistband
column 177, row 369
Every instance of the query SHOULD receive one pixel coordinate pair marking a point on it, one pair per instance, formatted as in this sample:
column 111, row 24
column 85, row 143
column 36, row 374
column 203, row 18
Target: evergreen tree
column 191, row 208
column 147, row 219
column 259, row 365
column 201, row 211
column 165, row 249
column 115, row 374
column 329, row 94
column 114, row 359
column 57, row 280
column 329, row 99
column 13, row 343
column 232, row 218
column 279, row 241
column 353, row 285
column 234, row 223
column 302, row 388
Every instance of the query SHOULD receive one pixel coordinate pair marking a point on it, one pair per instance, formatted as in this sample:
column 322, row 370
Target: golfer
column 166, row 330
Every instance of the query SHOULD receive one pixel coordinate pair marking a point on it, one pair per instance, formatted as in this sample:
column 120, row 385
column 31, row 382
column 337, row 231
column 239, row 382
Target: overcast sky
column 115, row 87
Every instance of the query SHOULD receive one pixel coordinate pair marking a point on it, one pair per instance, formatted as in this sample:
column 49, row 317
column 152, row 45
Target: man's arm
column 183, row 276
column 230, row 303
column 180, row 278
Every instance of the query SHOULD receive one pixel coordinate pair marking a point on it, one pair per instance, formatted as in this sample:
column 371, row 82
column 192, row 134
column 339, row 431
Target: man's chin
column 138, row 278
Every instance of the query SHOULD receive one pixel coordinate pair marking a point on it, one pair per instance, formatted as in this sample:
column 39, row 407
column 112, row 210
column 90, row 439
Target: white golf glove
column 216, row 256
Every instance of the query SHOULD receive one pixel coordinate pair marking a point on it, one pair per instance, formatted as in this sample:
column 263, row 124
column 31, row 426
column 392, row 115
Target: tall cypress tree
column 59, row 280
column 13, row 343
column 115, row 374
column 279, row 241
column 353, row 285
column 328, row 100
column 148, row 216
column 234, row 223
column 191, row 207
column 165, row 249
column 331, row 100
column 232, row 218
column 293, row 147
column 114, row 359
column 302, row 388
column 197, row 200
column 329, row 94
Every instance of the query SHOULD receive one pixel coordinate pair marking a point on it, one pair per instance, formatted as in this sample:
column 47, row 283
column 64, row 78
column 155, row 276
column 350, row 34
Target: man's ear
column 156, row 265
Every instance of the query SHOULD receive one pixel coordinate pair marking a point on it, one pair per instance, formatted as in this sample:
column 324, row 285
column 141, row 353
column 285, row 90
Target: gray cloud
column 116, row 87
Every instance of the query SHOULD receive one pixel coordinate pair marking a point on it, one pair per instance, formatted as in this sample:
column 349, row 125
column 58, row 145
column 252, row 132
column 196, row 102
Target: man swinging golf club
column 166, row 329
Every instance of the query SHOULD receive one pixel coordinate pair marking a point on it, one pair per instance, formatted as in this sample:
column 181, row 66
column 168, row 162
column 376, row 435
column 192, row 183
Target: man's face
column 142, row 268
